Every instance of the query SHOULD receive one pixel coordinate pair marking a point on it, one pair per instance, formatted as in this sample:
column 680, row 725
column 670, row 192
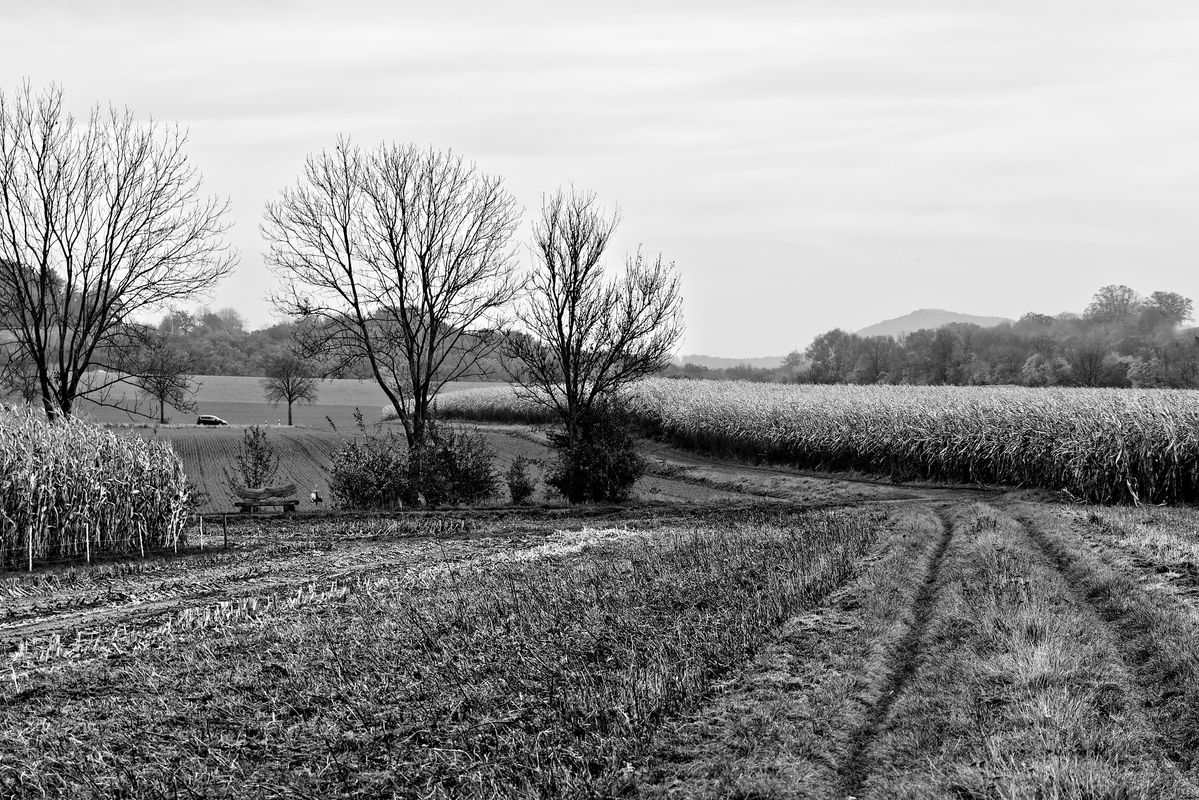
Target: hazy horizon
column 807, row 166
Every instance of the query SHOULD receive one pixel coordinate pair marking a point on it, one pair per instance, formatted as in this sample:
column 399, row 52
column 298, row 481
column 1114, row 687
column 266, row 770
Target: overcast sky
column 807, row 165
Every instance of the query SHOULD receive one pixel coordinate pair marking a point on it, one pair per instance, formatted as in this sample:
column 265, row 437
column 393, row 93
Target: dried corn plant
column 1099, row 445
column 70, row 490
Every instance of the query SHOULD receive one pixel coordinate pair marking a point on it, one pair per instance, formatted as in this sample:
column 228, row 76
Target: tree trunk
column 289, row 413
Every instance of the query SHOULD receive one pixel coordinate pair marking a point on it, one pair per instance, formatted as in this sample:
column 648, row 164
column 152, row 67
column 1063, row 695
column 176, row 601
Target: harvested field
column 937, row 646
column 239, row 400
column 476, row 667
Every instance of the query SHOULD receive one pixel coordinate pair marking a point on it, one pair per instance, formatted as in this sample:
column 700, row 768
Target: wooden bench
column 272, row 497
column 249, row 506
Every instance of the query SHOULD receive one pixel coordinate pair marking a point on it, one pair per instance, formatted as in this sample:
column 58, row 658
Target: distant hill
column 926, row 318
column 716, row 362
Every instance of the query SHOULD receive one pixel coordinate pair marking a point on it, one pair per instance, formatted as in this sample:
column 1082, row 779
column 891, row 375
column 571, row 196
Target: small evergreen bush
column 257, row 462
column 520, row 483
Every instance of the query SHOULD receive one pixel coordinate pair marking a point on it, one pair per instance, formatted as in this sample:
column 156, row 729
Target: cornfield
column 70, row 490
column 1098, row 445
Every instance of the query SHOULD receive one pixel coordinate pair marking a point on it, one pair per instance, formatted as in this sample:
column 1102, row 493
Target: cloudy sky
column 808, row 164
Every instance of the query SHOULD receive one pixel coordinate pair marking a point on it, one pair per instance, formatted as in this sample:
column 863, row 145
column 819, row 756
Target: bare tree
column 164, row 374
column 401, row 258
column 99, row 222
column 589, row 335
column 18, row 373
column 288, row 381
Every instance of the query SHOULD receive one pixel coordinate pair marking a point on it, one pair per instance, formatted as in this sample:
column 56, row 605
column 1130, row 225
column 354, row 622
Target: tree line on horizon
column 1121, row 339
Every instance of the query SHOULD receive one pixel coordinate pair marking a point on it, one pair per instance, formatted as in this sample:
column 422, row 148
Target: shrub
column 257, row 462
column 452, row 467
column 520, row 483
column 371, row 472
column 602, row 463
column 377, row 471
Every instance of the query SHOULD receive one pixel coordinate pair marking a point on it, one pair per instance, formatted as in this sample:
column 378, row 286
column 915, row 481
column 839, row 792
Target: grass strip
column 786, row 725
column 1159, row 635
column 1022, row 691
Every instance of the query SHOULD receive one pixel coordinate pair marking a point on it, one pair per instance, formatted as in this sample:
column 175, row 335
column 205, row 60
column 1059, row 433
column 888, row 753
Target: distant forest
column 1120, row 339
column 216, row 342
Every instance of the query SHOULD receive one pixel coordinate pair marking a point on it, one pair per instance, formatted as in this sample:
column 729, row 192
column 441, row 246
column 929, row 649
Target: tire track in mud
column 1165, row 685
column 905, row 659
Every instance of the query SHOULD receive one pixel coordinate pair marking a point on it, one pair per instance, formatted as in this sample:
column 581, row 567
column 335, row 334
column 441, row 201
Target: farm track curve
column 1179, row 580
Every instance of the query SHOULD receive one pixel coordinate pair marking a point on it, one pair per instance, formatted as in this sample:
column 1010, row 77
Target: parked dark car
column 209, row 419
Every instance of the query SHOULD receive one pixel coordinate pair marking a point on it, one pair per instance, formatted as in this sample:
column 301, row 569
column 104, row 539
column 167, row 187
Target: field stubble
column 538, row 669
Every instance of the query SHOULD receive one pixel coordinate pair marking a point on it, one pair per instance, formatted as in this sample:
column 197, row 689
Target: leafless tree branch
column 401, row 258
column 99, row 222
column 585, row 336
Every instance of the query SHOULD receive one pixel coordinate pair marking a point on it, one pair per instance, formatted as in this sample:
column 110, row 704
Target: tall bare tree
column 100, row 222
column 588, row 334
column 401, row 258
column 164, row 374
column 289, row 381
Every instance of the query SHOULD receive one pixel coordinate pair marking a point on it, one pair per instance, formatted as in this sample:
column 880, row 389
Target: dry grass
column 1022, row 691
column 789, row 725
column 534, row 677
column 1157, row 630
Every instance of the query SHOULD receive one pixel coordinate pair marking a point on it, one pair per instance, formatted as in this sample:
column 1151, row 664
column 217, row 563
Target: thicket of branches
column 400, row 259
column 101, row 221
column 585, row 333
